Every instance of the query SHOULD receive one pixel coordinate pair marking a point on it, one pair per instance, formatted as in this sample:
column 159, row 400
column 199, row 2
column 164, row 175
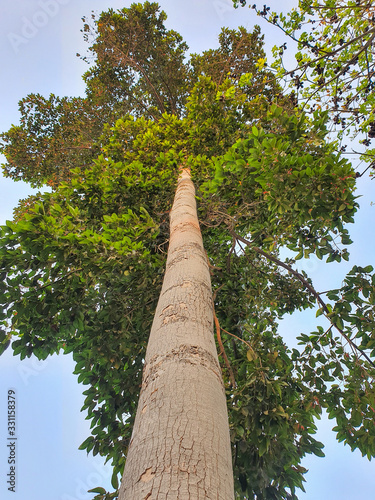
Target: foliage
column 282, row 164
column 238, row 55
column 82, row 266
column 139, row 65
column 334, row 61
column 54, row 135
column 139, row 69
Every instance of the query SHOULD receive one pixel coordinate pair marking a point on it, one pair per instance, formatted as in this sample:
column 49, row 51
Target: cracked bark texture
column 180, row 446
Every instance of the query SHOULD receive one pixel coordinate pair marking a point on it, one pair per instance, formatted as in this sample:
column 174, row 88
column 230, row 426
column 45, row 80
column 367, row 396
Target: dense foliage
column 54, row 135
column 82, row 266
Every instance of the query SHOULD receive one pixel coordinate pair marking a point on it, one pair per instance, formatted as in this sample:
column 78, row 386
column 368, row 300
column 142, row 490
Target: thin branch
column 345, row 68
column 307, row 285
column 229, row 61
column 342, row 7
column 372, row 165
column 317, row 59
column 77, row 147
column 135, row 66
column 314, row 48
column 238, row 338
column 230, row 254
column 218, row 336
column 251, row 262
column 222, row 351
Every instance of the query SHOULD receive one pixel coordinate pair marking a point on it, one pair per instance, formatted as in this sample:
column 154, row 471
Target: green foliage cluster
column 82, row 266
column 282, row 178
column 334, row 68
column 54, row 135
column 138, row 68
column 90, row 269
column 139, row 64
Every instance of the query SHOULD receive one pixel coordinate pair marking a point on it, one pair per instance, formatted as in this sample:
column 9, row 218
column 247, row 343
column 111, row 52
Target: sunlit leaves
column 291, row 186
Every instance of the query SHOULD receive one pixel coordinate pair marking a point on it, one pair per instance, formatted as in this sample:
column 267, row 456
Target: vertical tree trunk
column 180, row 447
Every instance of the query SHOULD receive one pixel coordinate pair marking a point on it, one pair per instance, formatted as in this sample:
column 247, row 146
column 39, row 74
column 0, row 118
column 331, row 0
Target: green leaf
column 240, row 431
column 4, row 346
column 98, row 490
column 263, row 447
column 319, row 453
column 114, row 480
column 319, row 312
column 3, row 335
column 86, row 443
column 251, row 355
column 339, row 323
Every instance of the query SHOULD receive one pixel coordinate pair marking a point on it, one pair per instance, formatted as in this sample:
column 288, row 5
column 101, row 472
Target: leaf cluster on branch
column 334, row 68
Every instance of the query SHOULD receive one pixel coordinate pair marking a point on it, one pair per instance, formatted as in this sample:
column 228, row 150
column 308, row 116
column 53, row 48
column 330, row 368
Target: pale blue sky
column 38, row 43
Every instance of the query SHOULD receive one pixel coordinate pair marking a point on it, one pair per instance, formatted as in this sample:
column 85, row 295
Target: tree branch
column 218, row 336
column 308, row 286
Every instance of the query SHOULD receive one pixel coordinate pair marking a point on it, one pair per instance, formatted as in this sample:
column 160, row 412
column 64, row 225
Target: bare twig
column 218, row 336
column 222, row 352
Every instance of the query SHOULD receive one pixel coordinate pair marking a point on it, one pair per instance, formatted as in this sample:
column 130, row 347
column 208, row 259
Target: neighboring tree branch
column 345, row 68
column 308, row 286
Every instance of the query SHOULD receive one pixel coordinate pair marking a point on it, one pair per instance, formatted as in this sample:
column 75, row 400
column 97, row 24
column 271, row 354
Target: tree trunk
column 180, row 447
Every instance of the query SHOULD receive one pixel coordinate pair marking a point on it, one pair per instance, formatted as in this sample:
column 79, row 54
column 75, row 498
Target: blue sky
column 38, row 43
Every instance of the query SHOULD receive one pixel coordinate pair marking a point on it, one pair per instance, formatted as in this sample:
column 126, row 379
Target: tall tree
column 182, row 388
column 83, row 266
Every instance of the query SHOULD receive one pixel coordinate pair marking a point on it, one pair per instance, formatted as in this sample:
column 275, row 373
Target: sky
column 39, row 40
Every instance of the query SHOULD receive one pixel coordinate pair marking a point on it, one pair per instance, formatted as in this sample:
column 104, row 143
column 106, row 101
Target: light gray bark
column 180, row 447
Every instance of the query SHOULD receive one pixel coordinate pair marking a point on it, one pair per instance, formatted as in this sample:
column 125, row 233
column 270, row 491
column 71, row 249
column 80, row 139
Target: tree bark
column 180, row 446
